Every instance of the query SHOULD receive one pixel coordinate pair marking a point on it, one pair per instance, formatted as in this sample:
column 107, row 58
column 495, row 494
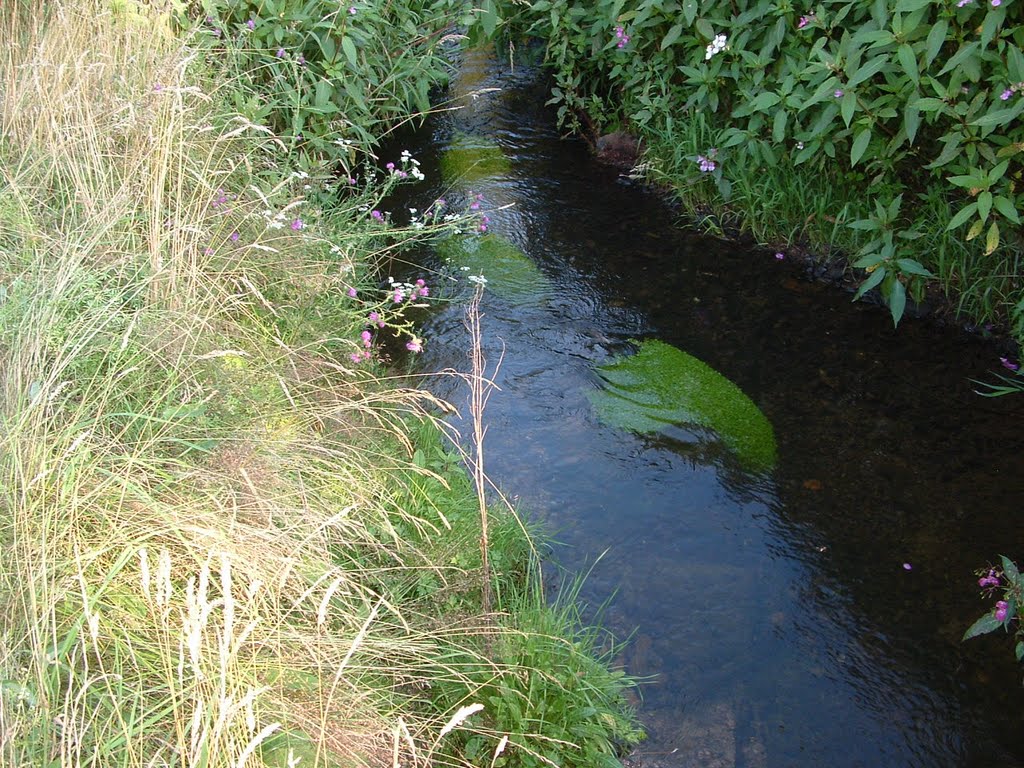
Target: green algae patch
column 509, row 272
column 661, row 386
column 470, row 158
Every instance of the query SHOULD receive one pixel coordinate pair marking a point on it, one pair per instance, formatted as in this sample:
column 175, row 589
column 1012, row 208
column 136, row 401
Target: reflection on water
column 772, row 610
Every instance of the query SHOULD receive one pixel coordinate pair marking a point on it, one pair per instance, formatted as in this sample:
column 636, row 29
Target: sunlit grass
column 222, row 544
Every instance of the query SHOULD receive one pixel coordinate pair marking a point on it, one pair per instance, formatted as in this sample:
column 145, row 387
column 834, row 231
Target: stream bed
column 793, row 594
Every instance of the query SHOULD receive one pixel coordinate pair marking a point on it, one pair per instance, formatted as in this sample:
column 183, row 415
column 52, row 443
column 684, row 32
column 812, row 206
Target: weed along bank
column 232, row 537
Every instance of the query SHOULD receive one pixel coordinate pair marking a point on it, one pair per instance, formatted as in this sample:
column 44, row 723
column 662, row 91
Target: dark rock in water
column 618, row 149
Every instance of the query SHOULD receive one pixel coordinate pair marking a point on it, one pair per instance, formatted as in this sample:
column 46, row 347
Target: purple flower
column 280, row 53
column 366, row 336
column 780, row 256
column 908, row 567
column 991, row 580
column 1009, row 364
column 234, row 237
column 377, row 215
column 996, row 3
column 352, row 10
column 351, row 293
column 1005, row 95
column 838, row 94
column 398, row 297
column 414, row 345
column 301, row 60
column 706, row 164
column 390, row 166
column 297, row 224
column 1002, row 608
column 962, row 3
column 251, row 23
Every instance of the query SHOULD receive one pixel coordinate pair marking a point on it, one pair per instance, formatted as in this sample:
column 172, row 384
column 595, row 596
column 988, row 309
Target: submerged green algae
column 470, row 158
column 660, row 386
column 509, row 272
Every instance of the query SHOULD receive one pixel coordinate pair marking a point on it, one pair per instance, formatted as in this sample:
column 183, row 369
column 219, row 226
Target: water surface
column 772, row 609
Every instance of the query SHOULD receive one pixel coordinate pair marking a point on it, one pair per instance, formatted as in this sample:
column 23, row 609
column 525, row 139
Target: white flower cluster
column 414, row 165
column 715, row 46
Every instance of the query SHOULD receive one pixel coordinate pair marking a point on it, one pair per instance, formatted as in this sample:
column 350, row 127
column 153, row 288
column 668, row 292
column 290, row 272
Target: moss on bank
column 229, row 538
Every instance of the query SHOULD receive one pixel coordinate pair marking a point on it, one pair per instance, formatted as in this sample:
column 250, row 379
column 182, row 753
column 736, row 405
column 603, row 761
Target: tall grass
column 219, row 544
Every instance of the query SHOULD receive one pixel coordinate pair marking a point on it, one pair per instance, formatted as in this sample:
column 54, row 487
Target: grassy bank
column 883, row 137
column 229, row 539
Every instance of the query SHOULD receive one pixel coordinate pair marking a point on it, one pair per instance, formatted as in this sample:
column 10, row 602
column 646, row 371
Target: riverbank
column 231, row 537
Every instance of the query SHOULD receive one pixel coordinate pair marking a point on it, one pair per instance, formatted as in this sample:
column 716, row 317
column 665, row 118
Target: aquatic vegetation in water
column 660, row 386
column 468, row 158
column 509, row 272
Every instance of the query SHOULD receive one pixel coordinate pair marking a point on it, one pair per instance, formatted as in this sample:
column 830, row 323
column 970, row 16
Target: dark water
column 773, row 612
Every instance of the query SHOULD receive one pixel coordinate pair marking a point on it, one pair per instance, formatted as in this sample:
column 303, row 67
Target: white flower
column 715, row 46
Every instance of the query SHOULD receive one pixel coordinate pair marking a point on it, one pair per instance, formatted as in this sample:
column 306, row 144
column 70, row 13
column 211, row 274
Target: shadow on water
column 771, row 609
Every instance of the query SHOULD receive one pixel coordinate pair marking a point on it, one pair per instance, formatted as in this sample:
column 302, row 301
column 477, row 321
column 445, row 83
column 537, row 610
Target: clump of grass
column 221, row 538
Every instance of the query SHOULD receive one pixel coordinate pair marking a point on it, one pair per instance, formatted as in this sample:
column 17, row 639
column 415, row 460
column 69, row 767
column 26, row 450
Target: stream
column 792, row 594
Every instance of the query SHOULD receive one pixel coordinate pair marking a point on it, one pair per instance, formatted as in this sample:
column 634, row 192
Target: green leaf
column 928, row 104
column 690, row 11
column 961, row 58
column 911, row 122
column 705, row 29
column 672, row 35
column 869, row 69
column 908, row 61
column 1010, row 570
column 848, row 106
column 350, row 51
column 984, row 204
column 962, row 216
column 912, row 267
column 860, row 144
column 897, row 299
column 873, row 279
column 764, row 101
column 982, row 626
column 999, row 116
column 1019, row 651
column 779, row 126
column 936, row 37
column 1005, row 207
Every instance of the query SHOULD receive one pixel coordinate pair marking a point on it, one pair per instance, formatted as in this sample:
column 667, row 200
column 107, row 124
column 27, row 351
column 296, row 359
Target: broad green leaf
column 848, row 106
column 672, row 35
column 690, row 11
column 897, row 300
column 764, row 100
column 975, row 229
column 961, row 58
column 350, row 50
column 661, row 386
column 962, row 216
column 928, row 104
column 908, row 61
column 872, row 67
column 912, row 267
column 1019, row 651
column 1005, row 207
column 705, row 29
column 982, row 626
column 1010, row 569
column 984, row 204
column 779, row 126
column 992, row 238
column 860, row 144
column 911, row 122
column 936, row 37
column 1000, row 116
column 873, row 279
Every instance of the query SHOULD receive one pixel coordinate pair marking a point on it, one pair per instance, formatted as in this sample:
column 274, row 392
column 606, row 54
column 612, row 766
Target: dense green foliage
column 331, row 78
column 907, row 112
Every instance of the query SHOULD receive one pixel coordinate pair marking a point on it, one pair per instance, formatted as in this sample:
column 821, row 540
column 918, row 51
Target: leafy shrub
column 892, row 98
column 331, row 78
